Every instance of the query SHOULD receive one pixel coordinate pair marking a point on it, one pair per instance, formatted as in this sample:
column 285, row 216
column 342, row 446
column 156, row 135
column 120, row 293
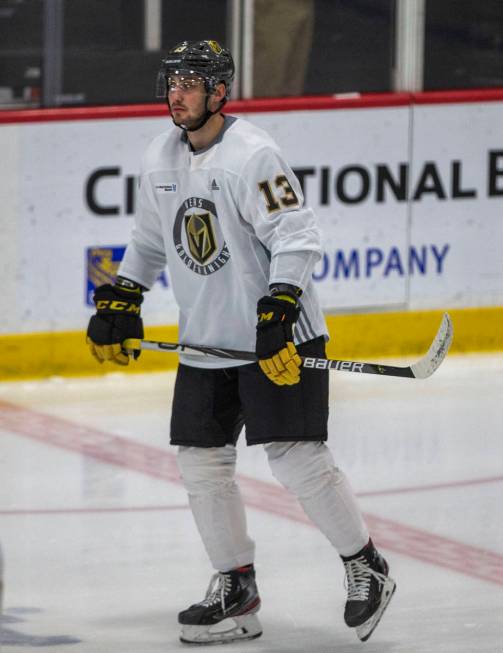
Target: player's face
column 187, row 99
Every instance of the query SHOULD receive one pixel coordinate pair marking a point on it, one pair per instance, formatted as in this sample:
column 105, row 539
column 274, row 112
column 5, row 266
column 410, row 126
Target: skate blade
column 367, row 628
column 229, row 630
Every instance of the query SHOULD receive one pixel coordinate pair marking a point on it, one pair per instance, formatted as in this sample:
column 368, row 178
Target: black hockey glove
column 117, row 318
column 277, row 354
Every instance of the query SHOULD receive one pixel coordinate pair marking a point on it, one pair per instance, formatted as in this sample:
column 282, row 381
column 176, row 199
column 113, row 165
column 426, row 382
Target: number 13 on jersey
column 278, row 195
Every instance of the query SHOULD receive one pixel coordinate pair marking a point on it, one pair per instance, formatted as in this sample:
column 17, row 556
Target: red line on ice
column 19, row 512
column 267, row 497
column 448, row 485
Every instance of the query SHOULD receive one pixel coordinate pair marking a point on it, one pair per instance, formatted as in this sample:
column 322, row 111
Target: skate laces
column 358, row 576
column 220, row 585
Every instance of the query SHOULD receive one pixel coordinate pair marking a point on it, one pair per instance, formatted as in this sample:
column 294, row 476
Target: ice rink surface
column 100, row 552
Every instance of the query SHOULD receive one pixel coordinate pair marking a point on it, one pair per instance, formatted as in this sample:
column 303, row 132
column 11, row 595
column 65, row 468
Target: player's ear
column 219, row 92
column 217, row 97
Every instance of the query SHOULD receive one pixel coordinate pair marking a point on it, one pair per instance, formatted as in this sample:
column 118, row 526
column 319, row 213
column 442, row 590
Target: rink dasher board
column 408, row 207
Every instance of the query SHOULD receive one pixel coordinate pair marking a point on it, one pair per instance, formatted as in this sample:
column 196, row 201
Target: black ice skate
column 227, row 613
column 369, row 590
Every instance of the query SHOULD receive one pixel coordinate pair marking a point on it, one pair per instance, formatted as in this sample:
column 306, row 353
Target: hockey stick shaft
column 419, row 370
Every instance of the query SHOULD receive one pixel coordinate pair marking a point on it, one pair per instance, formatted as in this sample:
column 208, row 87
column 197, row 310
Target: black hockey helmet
column 208, row 59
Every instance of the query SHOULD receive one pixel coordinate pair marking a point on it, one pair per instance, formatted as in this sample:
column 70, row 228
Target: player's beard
column 189, row 122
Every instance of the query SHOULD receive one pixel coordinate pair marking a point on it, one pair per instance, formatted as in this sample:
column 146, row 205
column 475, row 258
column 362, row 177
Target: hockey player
column 221, row 208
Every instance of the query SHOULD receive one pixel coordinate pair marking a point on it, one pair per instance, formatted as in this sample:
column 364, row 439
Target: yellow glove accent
column 286, row 298
column 112, row 353
column 131, row 345
column 284, row 367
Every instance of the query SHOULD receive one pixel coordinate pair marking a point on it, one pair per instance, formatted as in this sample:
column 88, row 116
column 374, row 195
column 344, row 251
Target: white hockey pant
column 216, row 503
column 304, row 468
column 307, row 469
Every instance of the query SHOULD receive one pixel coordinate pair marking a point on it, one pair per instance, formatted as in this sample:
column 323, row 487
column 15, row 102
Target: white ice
column 100, row 551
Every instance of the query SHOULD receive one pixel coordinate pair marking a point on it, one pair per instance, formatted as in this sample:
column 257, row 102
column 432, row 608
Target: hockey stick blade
column 422, row 369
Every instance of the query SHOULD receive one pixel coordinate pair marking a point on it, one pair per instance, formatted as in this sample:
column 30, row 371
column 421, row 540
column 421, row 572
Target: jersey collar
column 228, row 121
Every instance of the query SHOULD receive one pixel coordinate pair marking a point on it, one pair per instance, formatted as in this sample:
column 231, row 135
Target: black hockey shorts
column 211, row 406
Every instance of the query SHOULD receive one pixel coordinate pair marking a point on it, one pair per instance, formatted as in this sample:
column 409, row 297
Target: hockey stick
column 422, row 369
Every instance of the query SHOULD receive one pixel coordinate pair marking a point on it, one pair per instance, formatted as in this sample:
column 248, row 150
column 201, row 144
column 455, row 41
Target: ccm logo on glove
column 117, row 318
column 115, row 305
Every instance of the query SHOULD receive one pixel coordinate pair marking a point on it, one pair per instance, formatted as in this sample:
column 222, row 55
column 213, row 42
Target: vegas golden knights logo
column 200, row 236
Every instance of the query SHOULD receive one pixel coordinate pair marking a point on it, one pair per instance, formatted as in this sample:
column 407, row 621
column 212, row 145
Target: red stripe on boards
column 260, row 105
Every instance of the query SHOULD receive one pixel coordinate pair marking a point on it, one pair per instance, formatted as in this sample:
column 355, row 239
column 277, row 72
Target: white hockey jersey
column 228, row 221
